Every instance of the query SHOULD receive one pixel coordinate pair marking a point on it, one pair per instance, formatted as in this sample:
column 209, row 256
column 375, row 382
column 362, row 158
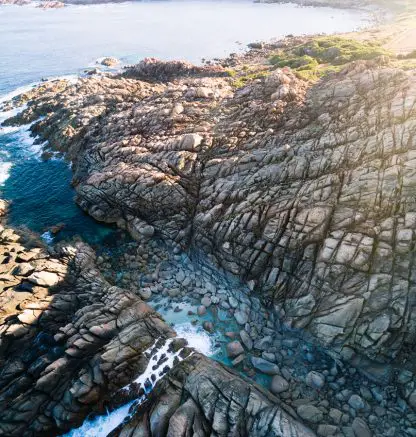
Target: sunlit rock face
column 305, row 191
column 202, row 398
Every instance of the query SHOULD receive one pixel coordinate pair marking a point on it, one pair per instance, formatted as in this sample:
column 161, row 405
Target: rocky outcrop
column 70, row 343
column 303, row 191
column 201, row 397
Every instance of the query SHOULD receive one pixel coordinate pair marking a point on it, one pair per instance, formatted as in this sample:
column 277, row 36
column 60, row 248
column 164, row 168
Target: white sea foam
column 4, row 171
column 101, row 426
column 8, row 129
column 197, row 338
column 47, row 237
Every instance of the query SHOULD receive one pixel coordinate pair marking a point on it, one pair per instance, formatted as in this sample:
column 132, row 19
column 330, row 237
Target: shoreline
column 195, row 131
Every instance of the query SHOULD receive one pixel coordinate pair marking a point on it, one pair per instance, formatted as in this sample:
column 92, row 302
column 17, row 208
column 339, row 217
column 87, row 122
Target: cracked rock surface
column 200, row 397
column 66, row 346
column 72, row 344
column 306, row 192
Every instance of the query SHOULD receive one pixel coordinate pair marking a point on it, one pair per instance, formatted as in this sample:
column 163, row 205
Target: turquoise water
column 39, row 43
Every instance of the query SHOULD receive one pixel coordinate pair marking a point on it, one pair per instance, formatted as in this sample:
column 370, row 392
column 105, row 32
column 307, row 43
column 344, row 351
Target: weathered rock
column 308, row 193
column 69, row 351
column 197, row 395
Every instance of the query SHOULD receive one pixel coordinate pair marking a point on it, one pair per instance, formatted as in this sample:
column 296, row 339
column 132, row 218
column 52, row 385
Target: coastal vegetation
column 322, row 55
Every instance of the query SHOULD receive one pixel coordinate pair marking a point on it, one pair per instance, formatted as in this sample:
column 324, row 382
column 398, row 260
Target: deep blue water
column 39, row 43
column 41, row 193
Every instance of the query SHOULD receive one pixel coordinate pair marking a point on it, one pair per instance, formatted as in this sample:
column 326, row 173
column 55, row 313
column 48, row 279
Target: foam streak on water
column 197, row 338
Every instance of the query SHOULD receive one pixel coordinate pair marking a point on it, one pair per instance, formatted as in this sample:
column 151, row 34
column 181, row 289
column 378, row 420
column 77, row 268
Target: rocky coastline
column 273, row 193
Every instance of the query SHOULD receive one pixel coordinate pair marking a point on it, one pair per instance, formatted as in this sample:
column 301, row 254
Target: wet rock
column 199, row 390
column 201, row 310
column 208, row 326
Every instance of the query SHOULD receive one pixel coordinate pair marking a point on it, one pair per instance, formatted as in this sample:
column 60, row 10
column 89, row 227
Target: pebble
column 247, row 341
column 356, row 402
column 265, row 366
column 315, row 380
column 234, row 349
column 206, row 301
column 278, row 384
column 326, row 430
column 310, row 413
column 360, row 428
column 241, row 317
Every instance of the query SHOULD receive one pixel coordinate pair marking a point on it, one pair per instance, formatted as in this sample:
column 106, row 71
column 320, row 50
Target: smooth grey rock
column 356, row 402
column 241, row 317
column 278, row 384
column 206, row 301
column 315, row 380
column 361, row 428
column 326, row 430
column 265, row 366
column 246, row 339
column 310, row 413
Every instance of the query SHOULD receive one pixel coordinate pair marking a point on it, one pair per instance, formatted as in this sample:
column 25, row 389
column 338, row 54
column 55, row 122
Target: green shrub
column 321, row 55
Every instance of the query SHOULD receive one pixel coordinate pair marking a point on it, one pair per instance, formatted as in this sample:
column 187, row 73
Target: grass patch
column 323, row 55
column 241, row 80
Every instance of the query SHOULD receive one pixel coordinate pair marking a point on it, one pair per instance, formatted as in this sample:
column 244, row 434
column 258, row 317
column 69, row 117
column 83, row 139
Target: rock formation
column 200, row 397
column 68, row 340
column 303, row 191
column 71, row 344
